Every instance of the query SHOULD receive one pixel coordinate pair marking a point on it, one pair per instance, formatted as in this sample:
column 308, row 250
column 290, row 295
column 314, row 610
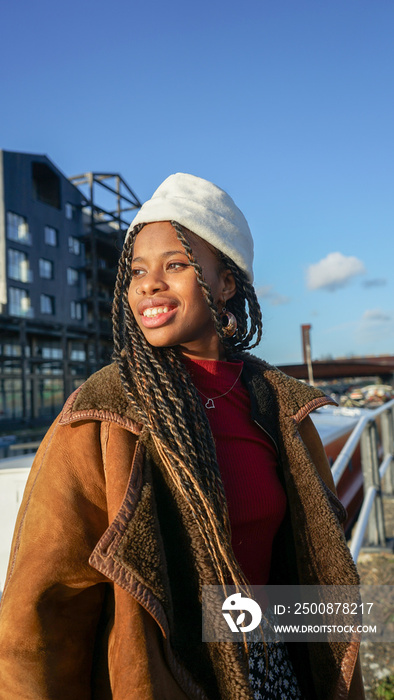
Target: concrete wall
column 13, row 476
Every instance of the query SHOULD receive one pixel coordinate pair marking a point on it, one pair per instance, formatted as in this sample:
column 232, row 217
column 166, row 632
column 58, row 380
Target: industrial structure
column 381, row 366
column 60, row 240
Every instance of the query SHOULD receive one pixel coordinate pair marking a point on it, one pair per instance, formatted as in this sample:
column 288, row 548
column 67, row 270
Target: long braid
column 166, row 401
column 200, row 279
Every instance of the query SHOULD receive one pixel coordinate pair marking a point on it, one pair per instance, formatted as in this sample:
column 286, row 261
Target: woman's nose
column 152, row 282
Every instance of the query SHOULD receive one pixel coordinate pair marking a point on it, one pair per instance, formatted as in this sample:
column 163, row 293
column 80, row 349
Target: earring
column 229, row 323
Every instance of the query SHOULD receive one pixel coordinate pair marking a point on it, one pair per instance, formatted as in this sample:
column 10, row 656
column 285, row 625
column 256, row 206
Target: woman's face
column 164, row 294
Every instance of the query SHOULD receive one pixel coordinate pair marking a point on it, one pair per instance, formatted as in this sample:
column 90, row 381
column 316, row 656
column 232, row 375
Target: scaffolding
column 108, row 201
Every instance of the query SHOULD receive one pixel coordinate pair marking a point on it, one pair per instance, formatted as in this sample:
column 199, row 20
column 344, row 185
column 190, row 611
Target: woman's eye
column 137, row 271
column 177, row 265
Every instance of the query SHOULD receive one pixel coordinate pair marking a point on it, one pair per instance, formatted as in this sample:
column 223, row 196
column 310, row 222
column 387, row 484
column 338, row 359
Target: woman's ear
column 228, row 285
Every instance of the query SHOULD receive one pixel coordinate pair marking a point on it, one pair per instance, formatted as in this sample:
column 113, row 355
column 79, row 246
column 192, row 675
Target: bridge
column 350, row 367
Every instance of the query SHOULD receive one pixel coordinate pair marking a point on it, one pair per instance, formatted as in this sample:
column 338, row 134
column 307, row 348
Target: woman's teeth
column 155, row 310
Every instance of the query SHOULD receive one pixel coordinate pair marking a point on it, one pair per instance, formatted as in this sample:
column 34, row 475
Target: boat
column 368, row 396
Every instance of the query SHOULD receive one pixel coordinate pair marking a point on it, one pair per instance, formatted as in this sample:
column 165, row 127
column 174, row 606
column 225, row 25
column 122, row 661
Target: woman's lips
column 158, row 320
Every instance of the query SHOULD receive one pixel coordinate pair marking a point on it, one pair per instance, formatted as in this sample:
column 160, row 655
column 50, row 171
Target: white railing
column 371, row 515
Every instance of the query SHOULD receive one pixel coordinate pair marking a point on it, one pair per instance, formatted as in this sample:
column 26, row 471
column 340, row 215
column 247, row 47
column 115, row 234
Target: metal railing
column 371, row 517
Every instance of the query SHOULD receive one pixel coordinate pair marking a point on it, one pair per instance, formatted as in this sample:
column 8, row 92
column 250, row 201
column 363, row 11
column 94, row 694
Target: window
column 52, row 352
column 72, row 276
column 46, row 184
column 45, row 268
column 18, row 266
column 17, row 228
column 50, row 236
column 47, row 304
column 78, row 355
column 70, row 211
column 19, row 303
column 12, row 404
column 10, row 348
column 74, row 245
column 76, row 310
column 77, row 352
column 50, row 395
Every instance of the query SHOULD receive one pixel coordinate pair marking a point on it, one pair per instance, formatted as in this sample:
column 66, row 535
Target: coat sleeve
column 311, row 438
column 52, row 597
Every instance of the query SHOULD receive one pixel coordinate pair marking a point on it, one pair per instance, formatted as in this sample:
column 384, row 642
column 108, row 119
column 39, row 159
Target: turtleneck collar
column 218, row 374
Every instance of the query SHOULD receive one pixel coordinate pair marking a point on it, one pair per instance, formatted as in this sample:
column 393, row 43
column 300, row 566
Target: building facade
column 59, row 249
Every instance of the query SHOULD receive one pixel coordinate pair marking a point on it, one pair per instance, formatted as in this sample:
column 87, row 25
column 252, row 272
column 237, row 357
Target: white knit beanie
column 204, row 209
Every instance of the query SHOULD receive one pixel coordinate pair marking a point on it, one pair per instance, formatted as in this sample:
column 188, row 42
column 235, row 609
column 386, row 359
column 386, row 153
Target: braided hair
column 166, row 401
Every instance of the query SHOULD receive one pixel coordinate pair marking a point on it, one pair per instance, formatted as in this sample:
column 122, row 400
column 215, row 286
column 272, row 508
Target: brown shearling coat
column 101, row 598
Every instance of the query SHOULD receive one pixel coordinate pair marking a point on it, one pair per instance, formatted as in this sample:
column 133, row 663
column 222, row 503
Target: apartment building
column 59, row 247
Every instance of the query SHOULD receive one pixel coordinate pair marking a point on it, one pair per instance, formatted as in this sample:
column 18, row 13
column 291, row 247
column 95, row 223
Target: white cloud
column 369, row 321
column 375, row 315
column 266, row 291
column 333, row 271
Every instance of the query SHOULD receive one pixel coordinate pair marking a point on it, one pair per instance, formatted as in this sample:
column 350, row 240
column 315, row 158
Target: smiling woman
column 188, row 462
column 165, row 296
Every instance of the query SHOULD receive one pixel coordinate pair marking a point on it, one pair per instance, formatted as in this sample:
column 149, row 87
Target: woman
column 186, row 462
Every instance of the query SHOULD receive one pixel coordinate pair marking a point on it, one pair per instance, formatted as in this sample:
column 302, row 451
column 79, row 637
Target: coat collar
column 102, row 397
column 273, row 393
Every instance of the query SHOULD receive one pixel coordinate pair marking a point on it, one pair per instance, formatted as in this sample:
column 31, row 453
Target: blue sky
column 286, row 104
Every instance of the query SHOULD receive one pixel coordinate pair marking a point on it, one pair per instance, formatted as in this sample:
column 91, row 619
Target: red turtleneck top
column 247, row 461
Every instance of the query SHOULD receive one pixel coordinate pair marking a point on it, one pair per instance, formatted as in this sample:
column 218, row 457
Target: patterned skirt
column 278, row 681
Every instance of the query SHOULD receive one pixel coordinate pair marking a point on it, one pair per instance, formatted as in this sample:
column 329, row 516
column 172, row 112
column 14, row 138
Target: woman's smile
column 154, row 312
